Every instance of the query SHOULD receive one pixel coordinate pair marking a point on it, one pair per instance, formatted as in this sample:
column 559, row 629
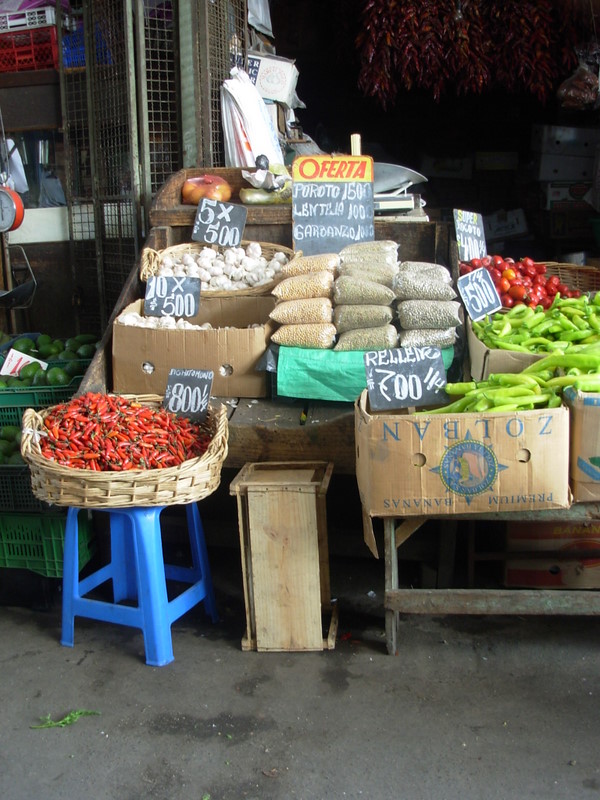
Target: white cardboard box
column 554, row 167
column 565, row 141
column 505, row 224
column 274, row 77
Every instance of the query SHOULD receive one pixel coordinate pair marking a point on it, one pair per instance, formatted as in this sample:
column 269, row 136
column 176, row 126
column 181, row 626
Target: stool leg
column 153, row 599
column 122, row 556
column 200, row 557
column 70, row 577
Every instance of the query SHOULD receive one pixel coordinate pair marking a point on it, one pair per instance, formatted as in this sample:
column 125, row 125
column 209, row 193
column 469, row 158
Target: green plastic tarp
column 313, row 374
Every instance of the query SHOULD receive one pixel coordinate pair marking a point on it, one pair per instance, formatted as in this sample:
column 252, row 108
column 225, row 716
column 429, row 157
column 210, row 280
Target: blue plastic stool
column 138, row 573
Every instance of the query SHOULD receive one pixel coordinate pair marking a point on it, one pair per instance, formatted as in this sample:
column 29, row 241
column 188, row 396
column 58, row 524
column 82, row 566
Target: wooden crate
column 285, row 559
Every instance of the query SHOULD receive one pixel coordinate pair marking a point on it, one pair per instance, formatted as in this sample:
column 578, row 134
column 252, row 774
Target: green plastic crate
column 15, row 490
column 36, row 541
column 14, row 400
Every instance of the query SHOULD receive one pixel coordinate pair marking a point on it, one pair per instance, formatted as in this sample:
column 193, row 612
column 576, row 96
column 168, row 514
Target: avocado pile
column 66, row 359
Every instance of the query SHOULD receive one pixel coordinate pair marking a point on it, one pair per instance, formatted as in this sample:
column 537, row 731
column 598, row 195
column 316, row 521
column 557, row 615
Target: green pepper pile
column 540, row 385
column 565, row 326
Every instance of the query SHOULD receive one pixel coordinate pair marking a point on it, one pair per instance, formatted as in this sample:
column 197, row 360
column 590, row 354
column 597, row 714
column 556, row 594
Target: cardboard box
column 555, row 567
column 274, row 77
column 432, row 464
column 485, row 362
column 565, row 195
column 584, row 408
column 551, row 167
column 505, row 224
column 142, row 357
column 565, row 141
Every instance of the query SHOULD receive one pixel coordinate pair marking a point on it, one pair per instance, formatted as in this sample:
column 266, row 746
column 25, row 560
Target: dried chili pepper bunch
column 465, row 46
column 103, row 432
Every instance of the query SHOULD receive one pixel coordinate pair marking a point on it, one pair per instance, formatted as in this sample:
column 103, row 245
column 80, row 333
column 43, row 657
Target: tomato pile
column 106, row 432
column 525, row 281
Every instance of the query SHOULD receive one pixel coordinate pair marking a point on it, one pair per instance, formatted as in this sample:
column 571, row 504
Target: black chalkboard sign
column 470, row 235
column 478, row 293
column 219, row 223
column 188, row 392
column 171, row 296
column 405, row 376
column 332, row 202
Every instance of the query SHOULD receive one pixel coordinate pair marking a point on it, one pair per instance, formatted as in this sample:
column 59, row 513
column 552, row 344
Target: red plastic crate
column 36, row 48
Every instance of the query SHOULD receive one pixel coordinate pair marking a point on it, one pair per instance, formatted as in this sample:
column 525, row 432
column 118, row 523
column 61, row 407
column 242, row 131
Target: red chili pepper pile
column 104, row 432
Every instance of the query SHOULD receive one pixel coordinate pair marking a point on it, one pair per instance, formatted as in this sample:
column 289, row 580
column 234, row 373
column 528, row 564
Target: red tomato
column 546, row 302
column 496, row 274
column 529, row 269
column 475, row 263
column 551, row 289
column 507, row 301
column 498, row 262
column 534, row 302
column 486, row 261
column 464, row 269
column 575, row 293
column 540, row 268
column 528, row 262
column 517, row 292
column 503, row 285
column 553, row 280
column 509, row 274
column 563, row 289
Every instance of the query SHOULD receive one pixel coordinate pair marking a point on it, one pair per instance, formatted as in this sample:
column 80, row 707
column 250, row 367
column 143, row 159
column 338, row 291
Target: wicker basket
column 64, row 486
column 586, row 279
column 150, row 260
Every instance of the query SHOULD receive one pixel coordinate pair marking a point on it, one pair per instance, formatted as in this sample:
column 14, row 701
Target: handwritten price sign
column 171, row 296
column 478, row 293
column 188, row 393
column 405, row 376
column 219, row 223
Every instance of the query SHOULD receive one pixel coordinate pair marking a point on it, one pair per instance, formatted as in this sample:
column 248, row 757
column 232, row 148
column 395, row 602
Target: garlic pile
column 134, row 319
column 172, row 323
column 232, row 268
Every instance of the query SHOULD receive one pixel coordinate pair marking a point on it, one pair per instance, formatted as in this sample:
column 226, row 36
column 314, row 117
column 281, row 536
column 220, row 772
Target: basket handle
column 149, row 262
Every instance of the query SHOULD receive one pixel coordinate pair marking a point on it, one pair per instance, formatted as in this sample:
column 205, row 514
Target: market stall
column 413, row 461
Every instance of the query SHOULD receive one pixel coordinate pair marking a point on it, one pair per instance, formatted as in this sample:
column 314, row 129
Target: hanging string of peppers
column 466, row 46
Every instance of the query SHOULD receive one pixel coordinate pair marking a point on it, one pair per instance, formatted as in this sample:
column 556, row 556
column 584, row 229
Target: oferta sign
column 332, row 202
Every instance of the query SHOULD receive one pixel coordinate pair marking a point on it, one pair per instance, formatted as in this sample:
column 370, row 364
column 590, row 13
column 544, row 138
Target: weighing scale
column 390, row 184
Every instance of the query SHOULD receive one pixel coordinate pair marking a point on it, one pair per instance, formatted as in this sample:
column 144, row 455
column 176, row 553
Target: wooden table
column 398, row 600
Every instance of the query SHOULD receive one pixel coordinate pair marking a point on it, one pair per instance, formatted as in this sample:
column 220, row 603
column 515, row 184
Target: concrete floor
column 471, row 707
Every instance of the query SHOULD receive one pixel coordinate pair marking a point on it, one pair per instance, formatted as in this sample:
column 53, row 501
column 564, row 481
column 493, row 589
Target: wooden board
column 284, row 557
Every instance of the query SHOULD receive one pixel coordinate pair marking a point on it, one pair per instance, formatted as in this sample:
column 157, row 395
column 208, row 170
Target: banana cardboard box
column 584, row 408
column 430, row 465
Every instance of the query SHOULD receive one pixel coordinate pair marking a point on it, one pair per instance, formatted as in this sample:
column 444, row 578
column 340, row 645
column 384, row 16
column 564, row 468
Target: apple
column 212, row 187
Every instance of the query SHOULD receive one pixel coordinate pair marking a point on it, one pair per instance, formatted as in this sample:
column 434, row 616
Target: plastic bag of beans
column 416, row 286
column 350, row 317
column 348, row 290
column 300, row 287
column 381, row 338
column 427, row 338
column 317, row 335
column 437, row 314
column 294, row 312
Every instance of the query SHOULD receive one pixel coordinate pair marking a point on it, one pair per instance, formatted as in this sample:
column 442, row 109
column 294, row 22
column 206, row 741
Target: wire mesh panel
column 101, row 148
column 159, row 78
column 221, row 44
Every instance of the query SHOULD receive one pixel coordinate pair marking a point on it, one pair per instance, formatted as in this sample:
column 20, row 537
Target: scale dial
column 11, row 210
